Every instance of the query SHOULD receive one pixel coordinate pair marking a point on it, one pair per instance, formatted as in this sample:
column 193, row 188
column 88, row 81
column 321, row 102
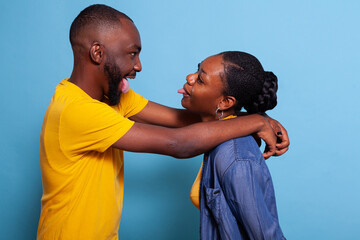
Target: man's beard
column 113, row 73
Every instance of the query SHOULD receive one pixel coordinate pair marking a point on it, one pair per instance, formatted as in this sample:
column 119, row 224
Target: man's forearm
column 204, row 136
column 160, row 115
column 186, row 118
column 194, row 139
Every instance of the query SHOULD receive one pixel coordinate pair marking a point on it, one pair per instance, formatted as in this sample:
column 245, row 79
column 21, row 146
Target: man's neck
column 88, row 83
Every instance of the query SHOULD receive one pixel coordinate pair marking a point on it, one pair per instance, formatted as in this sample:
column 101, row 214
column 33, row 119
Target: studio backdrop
column 312, row 47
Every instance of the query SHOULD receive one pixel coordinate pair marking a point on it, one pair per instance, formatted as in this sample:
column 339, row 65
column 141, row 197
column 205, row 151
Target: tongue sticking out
column 124, row 85
column 181, row 91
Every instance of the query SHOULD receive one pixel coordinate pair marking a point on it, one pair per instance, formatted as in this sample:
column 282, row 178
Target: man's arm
column 194, row 139
column 283, row 140
column 157, row 114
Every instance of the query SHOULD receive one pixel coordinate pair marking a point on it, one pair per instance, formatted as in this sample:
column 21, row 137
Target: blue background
column 313, row 48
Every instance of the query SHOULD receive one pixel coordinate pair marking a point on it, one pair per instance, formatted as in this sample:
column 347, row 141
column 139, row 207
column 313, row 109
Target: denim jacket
column 237, row 199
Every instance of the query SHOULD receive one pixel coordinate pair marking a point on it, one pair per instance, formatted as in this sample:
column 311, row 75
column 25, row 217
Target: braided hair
column 245, row 79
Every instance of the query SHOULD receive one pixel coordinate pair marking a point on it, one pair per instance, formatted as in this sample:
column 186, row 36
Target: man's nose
column 138, row 66
column 191, row 78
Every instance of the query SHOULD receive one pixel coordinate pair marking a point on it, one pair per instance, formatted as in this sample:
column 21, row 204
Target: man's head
column 107, row 42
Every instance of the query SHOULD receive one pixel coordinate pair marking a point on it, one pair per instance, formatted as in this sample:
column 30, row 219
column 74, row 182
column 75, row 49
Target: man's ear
column 96, row 53
column 226, row 103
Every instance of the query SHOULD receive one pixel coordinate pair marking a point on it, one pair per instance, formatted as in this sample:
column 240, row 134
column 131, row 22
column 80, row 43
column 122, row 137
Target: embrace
column 94, row 116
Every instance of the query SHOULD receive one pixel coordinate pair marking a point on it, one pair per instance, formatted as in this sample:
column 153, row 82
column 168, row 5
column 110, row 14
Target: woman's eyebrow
column 202, row 70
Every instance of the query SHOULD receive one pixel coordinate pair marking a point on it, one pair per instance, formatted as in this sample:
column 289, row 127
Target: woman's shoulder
column 237, row 149
column 243, row 150
column 247, row 149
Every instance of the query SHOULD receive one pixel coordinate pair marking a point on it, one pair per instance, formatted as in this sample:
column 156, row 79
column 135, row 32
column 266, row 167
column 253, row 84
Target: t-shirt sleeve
column 131, row 103
column 90, row 126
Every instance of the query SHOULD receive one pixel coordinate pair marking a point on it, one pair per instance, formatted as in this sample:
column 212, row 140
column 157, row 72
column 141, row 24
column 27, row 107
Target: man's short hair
column 97, row 15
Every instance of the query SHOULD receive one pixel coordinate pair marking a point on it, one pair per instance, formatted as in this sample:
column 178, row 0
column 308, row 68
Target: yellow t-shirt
column 195, row 189
column 83, row 176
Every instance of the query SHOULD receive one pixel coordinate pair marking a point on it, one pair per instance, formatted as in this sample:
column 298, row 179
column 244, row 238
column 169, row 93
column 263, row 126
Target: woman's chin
column 184, row 103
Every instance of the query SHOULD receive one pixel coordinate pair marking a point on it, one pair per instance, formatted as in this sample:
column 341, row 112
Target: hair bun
column 267, row 98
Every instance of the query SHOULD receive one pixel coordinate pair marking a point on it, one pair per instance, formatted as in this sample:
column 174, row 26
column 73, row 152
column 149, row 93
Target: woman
column 235, row 194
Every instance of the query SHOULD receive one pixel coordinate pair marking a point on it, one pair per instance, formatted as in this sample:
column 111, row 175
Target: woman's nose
column 191, row 78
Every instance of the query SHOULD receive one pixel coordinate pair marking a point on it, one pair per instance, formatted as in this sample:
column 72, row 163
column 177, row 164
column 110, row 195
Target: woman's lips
column 183, row 92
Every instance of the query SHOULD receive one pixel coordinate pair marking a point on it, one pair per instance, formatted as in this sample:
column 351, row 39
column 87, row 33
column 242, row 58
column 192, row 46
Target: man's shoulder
column 68, row 92
column 68, row 106
column 68, row 95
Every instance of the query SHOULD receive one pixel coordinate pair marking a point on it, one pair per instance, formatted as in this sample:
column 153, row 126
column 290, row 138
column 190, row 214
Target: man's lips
column 124, row 84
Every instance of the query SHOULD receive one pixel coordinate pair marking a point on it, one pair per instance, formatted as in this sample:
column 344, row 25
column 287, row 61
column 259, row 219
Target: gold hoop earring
column 219, row 115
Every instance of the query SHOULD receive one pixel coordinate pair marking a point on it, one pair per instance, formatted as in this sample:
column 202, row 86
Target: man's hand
column 267, row 134
column 283, row 141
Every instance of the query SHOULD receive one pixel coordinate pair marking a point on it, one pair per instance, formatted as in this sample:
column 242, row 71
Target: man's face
column 122, row 59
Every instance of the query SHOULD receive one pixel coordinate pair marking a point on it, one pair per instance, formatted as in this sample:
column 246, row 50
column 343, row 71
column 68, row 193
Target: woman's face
column 203, row 90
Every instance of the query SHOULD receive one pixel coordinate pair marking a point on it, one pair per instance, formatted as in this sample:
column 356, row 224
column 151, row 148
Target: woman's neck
column 215, row 117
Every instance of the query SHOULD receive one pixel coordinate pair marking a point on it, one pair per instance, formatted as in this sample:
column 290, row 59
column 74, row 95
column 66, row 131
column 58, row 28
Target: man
column 94, row 116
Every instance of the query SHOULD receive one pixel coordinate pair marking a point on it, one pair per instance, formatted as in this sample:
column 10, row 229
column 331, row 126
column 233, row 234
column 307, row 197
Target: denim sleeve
column 249, row 191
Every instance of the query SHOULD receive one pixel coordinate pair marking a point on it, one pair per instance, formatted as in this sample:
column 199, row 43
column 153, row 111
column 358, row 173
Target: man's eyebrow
column 135, row 46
